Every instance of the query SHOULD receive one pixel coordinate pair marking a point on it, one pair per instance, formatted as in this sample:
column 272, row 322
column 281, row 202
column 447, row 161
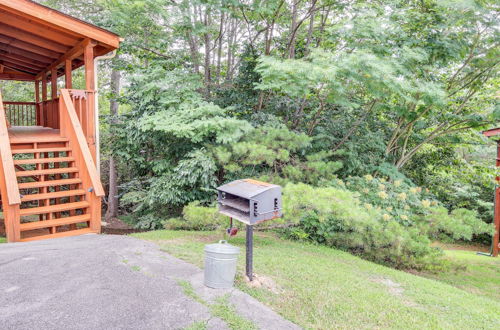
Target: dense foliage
column 316, row 95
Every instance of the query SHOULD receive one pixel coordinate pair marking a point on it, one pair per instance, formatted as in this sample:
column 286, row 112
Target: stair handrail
column 9, row 173
column 76, row 129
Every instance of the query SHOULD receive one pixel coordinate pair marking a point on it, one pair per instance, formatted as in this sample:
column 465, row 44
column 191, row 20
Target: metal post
column 249, row 252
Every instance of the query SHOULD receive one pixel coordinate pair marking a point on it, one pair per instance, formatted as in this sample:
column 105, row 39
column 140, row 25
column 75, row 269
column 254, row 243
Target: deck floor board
column 28, row 134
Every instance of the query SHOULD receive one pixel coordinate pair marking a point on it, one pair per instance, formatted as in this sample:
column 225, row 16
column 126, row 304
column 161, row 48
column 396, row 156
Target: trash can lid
column 222, row 247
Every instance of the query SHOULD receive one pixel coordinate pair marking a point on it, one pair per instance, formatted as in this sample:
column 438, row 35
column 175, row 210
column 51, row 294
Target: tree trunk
column 324, row 18
column 112, row 211
column 189, row 16
column 291, row 49
column 208, row 78
column 311, row 27
column 231, row 36
column 219, row 47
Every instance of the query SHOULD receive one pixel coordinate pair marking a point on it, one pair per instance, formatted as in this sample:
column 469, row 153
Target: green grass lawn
column 3, row 240
column 480, row 275
column 322, row 288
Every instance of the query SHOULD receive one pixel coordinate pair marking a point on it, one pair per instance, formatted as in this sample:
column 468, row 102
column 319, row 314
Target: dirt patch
column 261, row 281
column 116, row 226
column 395, row 289
column 462, row 247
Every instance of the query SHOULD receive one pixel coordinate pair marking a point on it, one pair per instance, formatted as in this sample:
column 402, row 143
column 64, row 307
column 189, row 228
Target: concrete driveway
column 110, row 282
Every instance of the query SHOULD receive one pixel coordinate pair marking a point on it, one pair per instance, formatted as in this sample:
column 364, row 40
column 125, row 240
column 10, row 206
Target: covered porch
column 49, row 182
column 44, row 46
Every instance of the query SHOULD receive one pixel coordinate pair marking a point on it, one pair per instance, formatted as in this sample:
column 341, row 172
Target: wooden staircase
column 49, row 183
column 53, row 202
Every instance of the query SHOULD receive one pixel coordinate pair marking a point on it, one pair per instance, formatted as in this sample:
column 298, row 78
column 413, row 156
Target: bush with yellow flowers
column 335, row 216
column 412, row 206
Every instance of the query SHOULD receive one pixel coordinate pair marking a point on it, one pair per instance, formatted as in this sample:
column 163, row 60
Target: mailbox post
column 249, row 252
column 251, row 202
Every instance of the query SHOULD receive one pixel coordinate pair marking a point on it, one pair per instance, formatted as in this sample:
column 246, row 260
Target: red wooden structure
column 49, row 182
column 495, row 133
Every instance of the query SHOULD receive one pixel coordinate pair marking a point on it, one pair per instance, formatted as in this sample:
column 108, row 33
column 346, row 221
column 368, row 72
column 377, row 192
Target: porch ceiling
column 35, row 39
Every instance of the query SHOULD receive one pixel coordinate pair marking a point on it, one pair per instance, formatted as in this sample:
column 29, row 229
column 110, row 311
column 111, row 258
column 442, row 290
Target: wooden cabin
column 49, row 182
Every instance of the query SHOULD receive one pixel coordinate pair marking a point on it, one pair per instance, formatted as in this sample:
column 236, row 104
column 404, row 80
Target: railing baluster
column 21, row 113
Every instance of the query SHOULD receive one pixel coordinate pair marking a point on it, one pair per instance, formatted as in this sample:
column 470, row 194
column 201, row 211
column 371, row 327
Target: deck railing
column 50, row 114
column 44, row 114
column 72, row 128
column 21, row 113
column 11, row 199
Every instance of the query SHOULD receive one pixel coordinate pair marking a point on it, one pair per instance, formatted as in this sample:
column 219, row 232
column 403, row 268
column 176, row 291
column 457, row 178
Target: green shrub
column 399, row 199
column 197, row 217
column 411, row 206
column 376, row 223
column 335, row 217
column 460, row 224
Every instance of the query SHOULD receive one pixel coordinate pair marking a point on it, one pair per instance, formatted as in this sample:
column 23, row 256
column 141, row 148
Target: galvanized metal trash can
column 220, row 265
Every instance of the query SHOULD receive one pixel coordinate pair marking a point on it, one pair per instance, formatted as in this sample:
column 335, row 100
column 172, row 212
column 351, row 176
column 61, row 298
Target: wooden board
column 49, row 183
column 54, row 208
column 55, row 222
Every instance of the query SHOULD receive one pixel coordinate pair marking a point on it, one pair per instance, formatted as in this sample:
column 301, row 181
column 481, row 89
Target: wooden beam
column 37, row 105
column 88, row 58
column 22, row 59
column 53, row 83
column 71, row 54
column 43, row 107
column 492, row 132
column 52, row 108
column 37, row 91
column 18, row 67
column 16, row 76
column 12, row 59
column 18, row 51
column 28, row 47
column 38, row 29
column 44, row 90
column 68, row 71
column 32, row 39
column 55, row 19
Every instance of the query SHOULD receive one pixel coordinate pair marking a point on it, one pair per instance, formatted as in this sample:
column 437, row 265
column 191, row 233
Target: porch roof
column 35, row 39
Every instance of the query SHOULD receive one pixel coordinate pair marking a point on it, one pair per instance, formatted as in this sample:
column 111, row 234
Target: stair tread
column 57, row 194
column 54, row 208
column 61, row 234
column 30, row 151
column 49, row 171
column 48, row 183
column 43, row 160
column 54, row 222
column 38, row 139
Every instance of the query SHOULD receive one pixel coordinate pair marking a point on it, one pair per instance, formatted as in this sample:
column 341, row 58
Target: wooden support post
column 53, row 107
column 496, row 219
column 88, row 55
column 43, row 108
column 37, row 101
column 68, row 69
